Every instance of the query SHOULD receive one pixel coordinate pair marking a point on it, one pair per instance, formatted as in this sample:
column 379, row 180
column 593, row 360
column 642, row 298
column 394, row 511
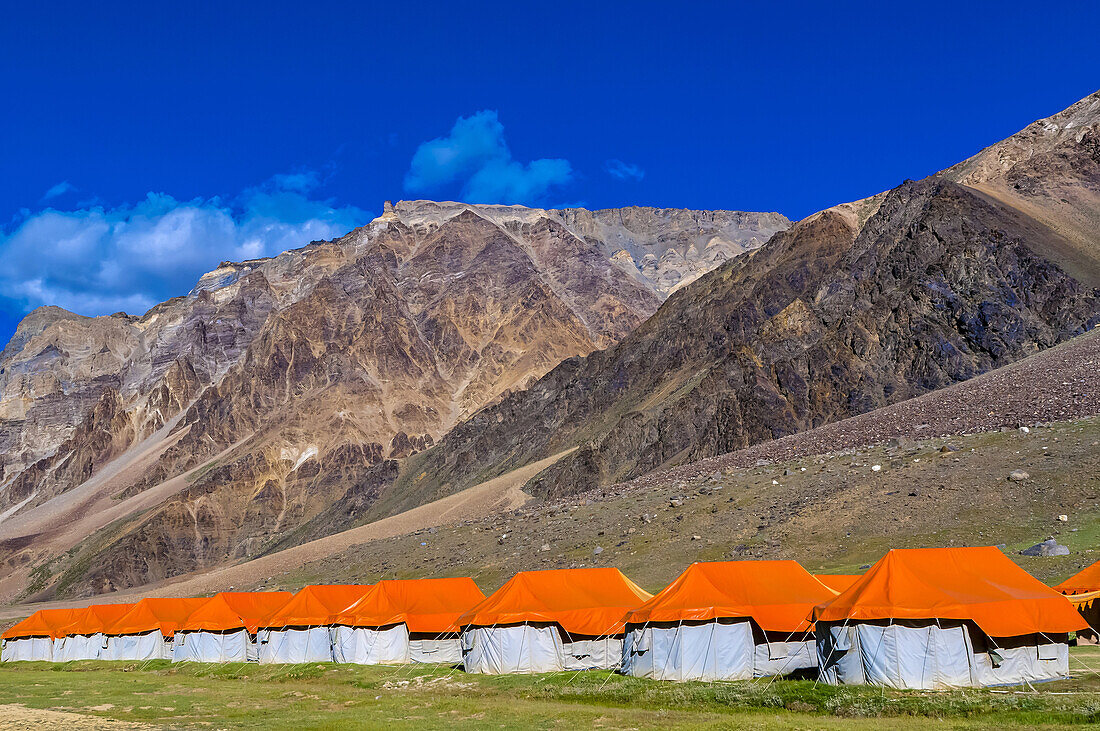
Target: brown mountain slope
column 830, row 319
column 357, row 353
column 1050, row 171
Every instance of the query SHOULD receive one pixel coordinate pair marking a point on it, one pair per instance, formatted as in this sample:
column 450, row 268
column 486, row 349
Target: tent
column 545, row 621
column 945, row 618
column 405, row 621
column 83, row 638
column 146, row 632
column 838, row 582
column 726, row 620
column 224, row 628
column 299, row 630
column 32, row 639
column 1083, row 589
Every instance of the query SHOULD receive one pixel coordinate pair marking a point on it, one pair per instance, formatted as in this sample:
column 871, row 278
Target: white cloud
column 623, row 170
column 476, row 157
column 58, row 190
column 97, row 260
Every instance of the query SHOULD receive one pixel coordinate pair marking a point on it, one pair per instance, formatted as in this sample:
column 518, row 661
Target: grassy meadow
column 326, row 696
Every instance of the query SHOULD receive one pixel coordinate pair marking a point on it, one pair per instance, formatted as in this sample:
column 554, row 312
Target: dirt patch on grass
column 17, row 717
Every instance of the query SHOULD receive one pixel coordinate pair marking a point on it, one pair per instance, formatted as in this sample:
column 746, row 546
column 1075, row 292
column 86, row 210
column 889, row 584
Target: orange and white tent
column 726, row 620
column 1083, row 589
column 224, row 628
column 543, row 621
column 299, row 631
column 83, row 638
column 1084, row 582
column 147, row 631
column 401, row 621
column 33, row 638
column 838, row 582
column 945, row 617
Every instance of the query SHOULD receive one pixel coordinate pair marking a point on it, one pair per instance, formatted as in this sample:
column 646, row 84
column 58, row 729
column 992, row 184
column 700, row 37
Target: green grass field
column 325, row 696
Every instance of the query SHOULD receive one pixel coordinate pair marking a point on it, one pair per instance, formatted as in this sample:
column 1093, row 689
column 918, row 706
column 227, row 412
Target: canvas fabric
column 295, row 645
column 145, row 646
column 203, row 646
column 22, row 649
column 935, row 655
column 723, row 649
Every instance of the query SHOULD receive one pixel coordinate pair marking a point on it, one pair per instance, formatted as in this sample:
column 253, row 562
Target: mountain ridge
column 318, row 369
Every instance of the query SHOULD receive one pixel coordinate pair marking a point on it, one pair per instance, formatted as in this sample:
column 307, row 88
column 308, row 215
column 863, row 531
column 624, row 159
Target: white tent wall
column 783, row 653
column 22, row 649
column 689, row 651
column 371, row 645
column 1030, row 658
column 519, row 648
column 592, row 653
column 202, row 646
column 393, row 645
column 724, row 649
column 445, row 649
column 77, row 647
column 295, row 645
column 147, row 646
column 935, row 655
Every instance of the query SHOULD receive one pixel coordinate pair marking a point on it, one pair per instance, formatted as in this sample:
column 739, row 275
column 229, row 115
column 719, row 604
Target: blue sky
column 141, row 145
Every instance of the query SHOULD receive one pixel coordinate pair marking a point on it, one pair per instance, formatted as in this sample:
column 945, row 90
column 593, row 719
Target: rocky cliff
column 308, row 376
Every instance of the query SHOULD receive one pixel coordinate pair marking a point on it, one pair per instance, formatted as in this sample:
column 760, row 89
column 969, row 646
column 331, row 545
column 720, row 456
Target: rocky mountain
column 1050, row 171
column 313, row 374
column 851, row 309
column 663, row 248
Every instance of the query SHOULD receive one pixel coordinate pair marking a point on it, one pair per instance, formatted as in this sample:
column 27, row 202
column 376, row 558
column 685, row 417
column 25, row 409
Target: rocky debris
column 1049, row 547
column 675, row 502
column 1018, row 475
column 1055, row 385
column 597, row 550
column 1062, row 518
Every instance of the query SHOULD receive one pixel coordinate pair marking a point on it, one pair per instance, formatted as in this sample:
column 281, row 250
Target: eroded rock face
column 1051, row 171
column 320, row 367
column 663, row 248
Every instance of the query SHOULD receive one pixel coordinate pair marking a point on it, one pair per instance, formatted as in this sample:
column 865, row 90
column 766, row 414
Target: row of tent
column 919, row 618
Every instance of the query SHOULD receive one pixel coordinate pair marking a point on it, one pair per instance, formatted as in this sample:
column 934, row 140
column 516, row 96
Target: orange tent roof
column 581, row 601
column 981, row 585
column 43, row 623
column 96, row 618
column 838, row 582
column 232, row 610
column 777, row 595
column 424, row 605
column 154, row 613
column 316, row 605
column 1086, row 580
